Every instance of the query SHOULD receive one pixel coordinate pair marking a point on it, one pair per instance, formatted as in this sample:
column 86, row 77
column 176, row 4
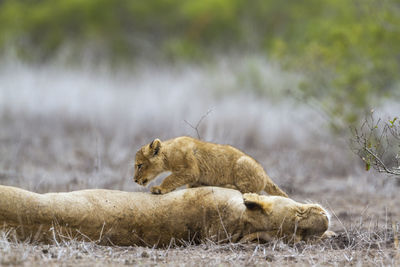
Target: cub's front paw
column 158, row 190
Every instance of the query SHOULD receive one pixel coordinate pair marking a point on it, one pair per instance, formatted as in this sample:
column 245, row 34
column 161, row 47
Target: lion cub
column 197, row 163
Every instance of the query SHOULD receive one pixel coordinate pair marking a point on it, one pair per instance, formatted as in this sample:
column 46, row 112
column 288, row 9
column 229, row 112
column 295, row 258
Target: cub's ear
column 155, row 146
column 256, row 202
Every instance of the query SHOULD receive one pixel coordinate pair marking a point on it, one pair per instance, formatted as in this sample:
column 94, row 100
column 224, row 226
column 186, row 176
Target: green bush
column 349, row 53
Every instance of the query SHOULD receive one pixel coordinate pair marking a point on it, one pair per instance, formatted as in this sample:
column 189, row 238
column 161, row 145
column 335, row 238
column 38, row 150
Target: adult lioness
column 126, row 218
column 197, row 163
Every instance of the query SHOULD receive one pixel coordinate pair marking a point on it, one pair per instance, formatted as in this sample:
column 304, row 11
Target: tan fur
column 126, row 218
column 196, row 163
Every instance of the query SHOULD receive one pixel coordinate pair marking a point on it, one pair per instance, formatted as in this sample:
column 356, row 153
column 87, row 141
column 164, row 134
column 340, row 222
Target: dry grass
column 86, row 137
column 355, row 246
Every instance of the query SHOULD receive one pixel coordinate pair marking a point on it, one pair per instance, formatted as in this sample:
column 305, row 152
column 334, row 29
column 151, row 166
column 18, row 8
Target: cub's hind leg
column 247, row 178
column 272, row 189
column 250, row 177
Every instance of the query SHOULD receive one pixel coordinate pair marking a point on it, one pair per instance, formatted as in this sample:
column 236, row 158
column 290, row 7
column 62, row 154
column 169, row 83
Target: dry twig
column 196, row 128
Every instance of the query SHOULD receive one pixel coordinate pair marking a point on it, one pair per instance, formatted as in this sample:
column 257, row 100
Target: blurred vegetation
column 348, row 50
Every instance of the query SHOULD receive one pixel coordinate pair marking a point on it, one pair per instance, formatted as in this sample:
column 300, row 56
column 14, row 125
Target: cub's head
column 148, row 162
column 290, row 219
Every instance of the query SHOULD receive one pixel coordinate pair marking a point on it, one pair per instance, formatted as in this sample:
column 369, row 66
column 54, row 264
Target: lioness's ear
column 252, row 205
column 155, row 146
column 302, row 210
column 255, row 202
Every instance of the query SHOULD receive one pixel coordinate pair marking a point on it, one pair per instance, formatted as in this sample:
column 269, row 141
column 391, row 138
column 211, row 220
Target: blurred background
column 84, row 84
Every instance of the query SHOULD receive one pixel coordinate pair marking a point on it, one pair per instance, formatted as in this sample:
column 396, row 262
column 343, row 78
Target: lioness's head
column 293, row 220
column 148, row 162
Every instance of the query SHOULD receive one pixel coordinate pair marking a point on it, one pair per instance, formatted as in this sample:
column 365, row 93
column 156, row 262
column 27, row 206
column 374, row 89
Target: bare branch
column 383, row 168
column 196, row 128
column 377, row 144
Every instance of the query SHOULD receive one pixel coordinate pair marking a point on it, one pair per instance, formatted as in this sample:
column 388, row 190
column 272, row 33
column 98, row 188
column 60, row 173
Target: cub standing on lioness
column 197, row 163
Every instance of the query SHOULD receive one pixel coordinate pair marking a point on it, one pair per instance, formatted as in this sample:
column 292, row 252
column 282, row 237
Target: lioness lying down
column 196, row 163
column 126, row 218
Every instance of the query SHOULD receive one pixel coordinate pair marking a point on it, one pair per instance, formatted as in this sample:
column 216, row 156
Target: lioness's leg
column 259, row 236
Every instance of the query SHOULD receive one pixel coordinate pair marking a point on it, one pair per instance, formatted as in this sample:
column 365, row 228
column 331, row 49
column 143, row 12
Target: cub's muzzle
column 141, row 182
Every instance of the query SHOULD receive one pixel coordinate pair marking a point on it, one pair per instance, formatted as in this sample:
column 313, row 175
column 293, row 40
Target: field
column 66, row 129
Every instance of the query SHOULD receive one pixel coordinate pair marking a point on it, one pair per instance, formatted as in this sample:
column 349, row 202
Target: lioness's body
column 198, row 163
column 126, row 218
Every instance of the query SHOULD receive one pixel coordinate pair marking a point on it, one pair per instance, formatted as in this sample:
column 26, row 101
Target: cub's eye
column 139, row 166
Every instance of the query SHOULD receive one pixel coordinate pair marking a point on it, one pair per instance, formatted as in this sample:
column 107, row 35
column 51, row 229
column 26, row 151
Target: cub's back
column 205, row 150
column 214, row 160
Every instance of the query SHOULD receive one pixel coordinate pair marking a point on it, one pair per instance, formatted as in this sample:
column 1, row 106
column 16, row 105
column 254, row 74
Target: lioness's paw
column 158, row 190
column 328, row 234
column 247, row 197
